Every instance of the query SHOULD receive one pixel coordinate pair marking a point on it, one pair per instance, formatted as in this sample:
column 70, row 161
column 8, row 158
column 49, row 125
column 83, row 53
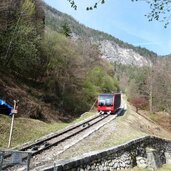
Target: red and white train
column 108, row 103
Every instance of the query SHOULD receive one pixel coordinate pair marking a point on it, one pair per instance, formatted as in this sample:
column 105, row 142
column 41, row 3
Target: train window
column 106, row 100
column 102, row 102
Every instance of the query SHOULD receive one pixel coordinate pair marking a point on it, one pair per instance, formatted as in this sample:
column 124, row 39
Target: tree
column 138, row 102
column 65, row 29
column 160, row 10
column 161, row 85
column 74, row 5
column 20, row 50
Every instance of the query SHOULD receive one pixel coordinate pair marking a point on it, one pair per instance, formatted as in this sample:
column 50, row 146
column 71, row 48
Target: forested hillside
column 52, row 75
column 148, row 87
column 53, row 65
column 56, row 19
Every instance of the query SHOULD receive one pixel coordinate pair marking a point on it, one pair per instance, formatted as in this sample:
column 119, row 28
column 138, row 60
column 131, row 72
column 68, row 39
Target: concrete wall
column 147, row 152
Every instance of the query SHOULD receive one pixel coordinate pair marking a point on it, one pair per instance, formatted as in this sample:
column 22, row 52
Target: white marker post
column 12, row 123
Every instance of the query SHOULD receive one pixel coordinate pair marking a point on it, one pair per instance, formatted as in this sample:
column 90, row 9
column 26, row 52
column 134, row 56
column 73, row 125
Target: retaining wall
column 151, row 152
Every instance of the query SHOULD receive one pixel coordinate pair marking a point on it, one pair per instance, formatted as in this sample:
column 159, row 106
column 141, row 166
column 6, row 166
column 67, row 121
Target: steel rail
column 46, row 145
column 40, row 142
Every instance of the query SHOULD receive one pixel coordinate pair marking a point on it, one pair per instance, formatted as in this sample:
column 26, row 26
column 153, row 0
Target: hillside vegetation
column 55, row 19
column 53, row 76
column 51, row 64
column 147, row 87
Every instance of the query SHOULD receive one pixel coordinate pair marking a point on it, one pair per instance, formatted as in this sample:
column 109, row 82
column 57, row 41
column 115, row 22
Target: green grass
column 153, row 117
column 85, row 116
column 26, row 129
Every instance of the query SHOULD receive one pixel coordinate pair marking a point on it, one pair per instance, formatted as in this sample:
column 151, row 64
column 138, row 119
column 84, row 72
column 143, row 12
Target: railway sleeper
column 86, row 124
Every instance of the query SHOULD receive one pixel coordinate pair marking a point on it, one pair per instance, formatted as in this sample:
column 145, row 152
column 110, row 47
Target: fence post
column 12, row 123
column 55, row 168
column 11, row 130
column 28, row 161
column 1, row 159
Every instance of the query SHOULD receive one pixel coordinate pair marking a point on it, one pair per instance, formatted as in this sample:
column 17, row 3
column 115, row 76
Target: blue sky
column 123, row 19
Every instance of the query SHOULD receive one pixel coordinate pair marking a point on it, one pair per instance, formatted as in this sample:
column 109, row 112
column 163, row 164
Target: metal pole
column 12, row 124
column 93, row 105
column 11, row 130
column 28, row 161
column 55, row 168
column 1, row 159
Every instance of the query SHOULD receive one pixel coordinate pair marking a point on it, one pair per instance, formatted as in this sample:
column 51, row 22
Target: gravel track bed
column 51, row 155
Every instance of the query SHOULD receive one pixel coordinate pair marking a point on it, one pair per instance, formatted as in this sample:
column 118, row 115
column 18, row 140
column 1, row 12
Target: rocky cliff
column 114, row 53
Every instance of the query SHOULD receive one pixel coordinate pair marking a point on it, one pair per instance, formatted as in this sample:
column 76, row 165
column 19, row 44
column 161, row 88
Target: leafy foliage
column 74, row 77
column 70, row 71
column 95, row 5
column 65, row 29
column 138, row 102
column 150, row 85
column 21, row 43
column 74, row 5
column 160, row 11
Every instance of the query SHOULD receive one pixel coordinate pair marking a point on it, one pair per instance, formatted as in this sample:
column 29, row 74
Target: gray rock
column 112, row 52
column 115, row 165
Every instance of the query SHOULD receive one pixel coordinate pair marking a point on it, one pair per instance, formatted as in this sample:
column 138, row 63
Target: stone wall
column 151, row 152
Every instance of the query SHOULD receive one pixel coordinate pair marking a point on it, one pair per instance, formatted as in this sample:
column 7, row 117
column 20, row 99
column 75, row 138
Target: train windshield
column 106, row 100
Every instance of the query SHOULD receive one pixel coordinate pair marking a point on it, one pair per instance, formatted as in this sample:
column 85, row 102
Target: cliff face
column 114, row 53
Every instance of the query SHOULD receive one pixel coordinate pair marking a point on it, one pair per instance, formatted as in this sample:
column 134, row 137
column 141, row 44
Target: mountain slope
column 111, row 48
column 49, row 73
column 62, row 76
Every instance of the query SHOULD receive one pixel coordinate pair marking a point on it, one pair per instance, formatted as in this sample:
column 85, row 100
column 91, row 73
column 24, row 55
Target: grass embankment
column 26, row 129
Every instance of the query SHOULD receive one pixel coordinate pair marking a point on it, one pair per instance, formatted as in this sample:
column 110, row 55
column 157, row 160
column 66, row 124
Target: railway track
column 57, row 138
column 62, row 136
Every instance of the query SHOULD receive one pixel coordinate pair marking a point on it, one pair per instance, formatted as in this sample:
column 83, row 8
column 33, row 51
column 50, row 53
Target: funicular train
column 108, row 103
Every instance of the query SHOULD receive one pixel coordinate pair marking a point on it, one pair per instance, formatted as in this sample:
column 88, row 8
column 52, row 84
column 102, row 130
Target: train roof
column 106, row 94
